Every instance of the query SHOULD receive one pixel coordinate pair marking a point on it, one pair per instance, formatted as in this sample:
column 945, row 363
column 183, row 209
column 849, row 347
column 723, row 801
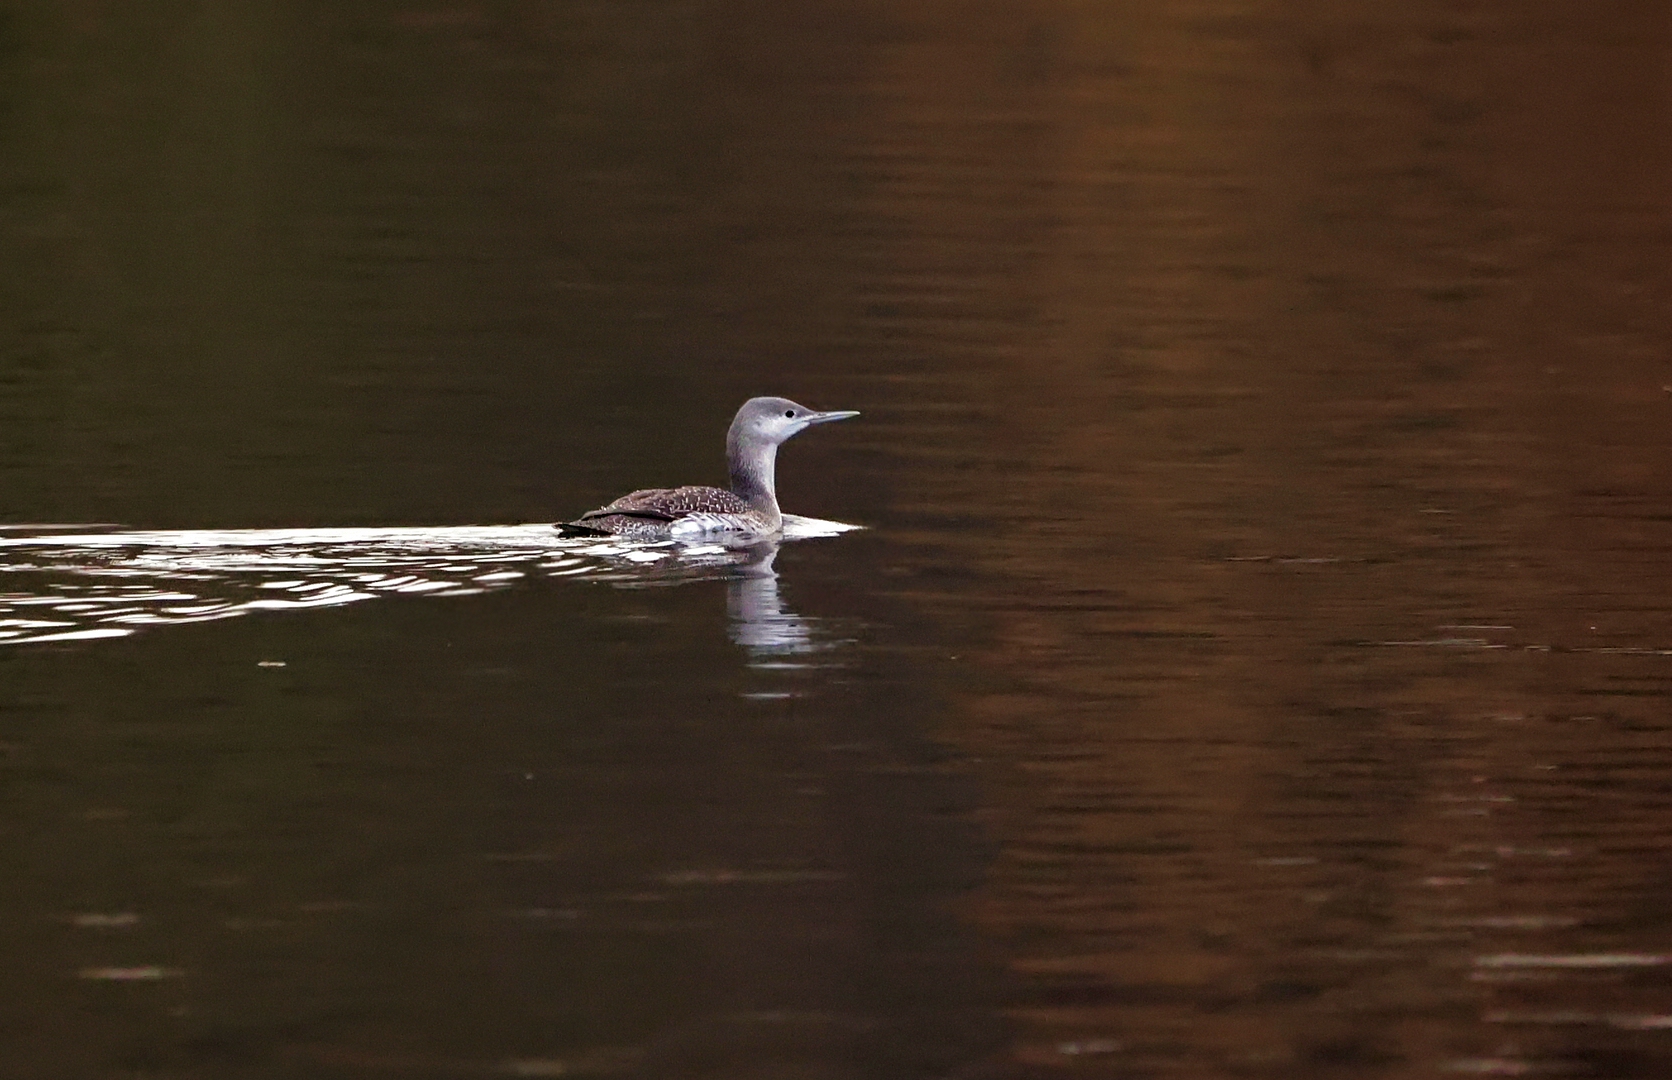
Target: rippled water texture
column 82, row 586
column 1255, row 661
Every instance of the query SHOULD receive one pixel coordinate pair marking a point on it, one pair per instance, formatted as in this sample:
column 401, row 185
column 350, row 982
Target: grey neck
column 752, row 463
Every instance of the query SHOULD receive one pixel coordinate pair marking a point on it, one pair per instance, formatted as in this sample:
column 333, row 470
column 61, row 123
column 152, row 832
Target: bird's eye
column 790, row 413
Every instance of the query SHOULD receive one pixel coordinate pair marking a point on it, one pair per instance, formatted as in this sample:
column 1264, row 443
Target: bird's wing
column 670, row 504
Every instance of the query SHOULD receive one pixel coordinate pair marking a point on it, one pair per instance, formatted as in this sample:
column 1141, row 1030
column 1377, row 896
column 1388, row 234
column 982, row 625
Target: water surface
column 1255, row 662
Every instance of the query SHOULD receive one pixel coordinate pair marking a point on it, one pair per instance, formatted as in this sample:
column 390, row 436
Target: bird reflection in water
column 759, row 622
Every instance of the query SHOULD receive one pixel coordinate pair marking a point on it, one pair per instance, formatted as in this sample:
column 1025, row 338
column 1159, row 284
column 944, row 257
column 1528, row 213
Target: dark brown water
column 1256, row 663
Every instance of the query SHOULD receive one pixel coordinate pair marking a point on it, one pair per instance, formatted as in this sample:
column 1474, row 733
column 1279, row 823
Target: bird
column 749, row 508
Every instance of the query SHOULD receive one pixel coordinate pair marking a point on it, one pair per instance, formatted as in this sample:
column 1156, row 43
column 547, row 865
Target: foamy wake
column 72, row 583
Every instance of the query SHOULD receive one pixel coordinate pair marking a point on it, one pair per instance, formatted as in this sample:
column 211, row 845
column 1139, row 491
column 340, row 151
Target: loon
column 749, row 508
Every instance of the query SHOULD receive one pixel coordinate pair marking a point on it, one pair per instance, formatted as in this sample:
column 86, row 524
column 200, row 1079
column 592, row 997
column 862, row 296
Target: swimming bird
column 749, row 508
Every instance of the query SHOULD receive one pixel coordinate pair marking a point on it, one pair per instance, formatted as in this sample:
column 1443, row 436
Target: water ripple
column 59, row 584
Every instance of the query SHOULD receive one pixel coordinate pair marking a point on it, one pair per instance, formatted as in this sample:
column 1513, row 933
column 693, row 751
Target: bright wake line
column 68, row 583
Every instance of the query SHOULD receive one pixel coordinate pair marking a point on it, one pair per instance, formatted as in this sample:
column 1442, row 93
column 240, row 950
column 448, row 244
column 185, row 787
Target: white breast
column 705, row 524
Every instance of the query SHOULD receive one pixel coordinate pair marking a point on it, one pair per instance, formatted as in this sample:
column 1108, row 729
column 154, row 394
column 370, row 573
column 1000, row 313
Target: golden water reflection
column 1330, row 459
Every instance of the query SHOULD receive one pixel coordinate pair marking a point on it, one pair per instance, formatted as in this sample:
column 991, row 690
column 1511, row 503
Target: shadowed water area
column 1254, row 661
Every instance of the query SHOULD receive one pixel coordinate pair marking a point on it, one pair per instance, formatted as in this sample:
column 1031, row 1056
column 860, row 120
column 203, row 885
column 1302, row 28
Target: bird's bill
column 827, row 417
